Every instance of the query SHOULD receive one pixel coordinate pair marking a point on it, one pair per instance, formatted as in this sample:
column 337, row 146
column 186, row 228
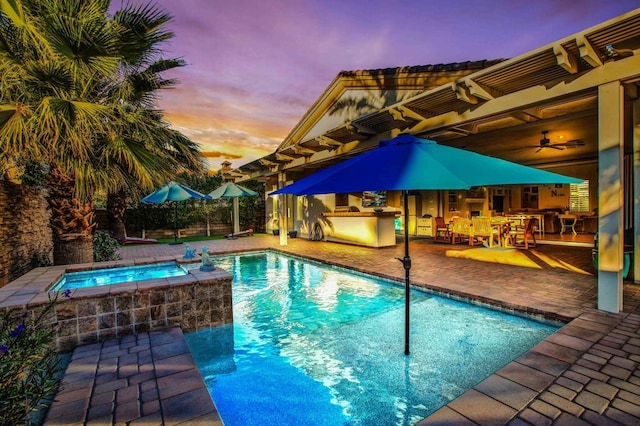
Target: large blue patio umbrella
column 407, row 163
column 234, row 191
column 172, row 191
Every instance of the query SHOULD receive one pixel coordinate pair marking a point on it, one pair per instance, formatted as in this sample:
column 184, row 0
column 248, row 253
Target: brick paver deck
column 144, row 379
column 586, row 373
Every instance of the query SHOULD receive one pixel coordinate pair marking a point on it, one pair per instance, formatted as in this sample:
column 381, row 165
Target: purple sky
column 256, row 66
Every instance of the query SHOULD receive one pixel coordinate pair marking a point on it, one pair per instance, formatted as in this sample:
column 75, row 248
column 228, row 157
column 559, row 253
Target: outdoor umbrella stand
column 234, row 191
column 175, row 223
column 407, row 163
column 406, row 263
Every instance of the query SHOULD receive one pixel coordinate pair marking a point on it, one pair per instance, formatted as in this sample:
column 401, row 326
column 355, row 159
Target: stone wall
column 201, row 299
column 192, row 305
column 25, row 236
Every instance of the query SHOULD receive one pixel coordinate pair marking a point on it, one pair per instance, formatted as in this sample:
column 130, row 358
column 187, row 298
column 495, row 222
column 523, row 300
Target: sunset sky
column 256, row 66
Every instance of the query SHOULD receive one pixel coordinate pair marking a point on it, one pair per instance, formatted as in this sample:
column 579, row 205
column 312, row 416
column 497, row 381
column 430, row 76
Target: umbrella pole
column 175, row 223
column 406, row 262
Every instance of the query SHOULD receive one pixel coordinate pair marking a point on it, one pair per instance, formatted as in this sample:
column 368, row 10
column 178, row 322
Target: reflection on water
column 318, row 345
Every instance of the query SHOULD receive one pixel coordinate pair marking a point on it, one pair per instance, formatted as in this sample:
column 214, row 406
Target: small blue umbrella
column 231, row 190
column 173, row 191
column 234, row 191
column 408, row 163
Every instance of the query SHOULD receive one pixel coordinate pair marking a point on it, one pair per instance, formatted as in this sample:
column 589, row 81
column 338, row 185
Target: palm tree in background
column 142, row 30
column 65, row 101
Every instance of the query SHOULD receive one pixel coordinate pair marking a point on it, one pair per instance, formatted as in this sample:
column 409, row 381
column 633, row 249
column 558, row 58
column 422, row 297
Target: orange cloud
column 220, row 154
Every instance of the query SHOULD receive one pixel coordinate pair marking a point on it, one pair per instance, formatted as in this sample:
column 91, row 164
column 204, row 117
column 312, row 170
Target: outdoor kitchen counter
column 371, row 229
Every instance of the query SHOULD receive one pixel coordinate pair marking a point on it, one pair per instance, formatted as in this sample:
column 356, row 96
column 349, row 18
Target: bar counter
column 371, row 229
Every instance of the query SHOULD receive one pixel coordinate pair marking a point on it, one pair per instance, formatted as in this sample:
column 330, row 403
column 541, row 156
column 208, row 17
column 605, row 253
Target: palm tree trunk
column 116, row 208
column 72, row 221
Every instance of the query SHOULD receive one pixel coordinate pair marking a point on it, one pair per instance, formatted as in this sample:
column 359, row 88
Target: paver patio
column 586, row 373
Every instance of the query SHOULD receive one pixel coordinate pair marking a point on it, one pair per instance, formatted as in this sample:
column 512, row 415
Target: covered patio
column 569, row 107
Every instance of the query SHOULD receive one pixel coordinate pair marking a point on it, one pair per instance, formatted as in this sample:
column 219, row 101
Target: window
column 453, row 201
column 342, row 200
column 579, row 198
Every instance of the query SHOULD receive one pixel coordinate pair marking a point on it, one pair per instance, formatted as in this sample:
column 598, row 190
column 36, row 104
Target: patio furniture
column 519, row 236
column 137, row 240
column 461, row 230
column 568, row 221
column 233, row 236
column 502, row 225
column 443, row 233
column 482, row 228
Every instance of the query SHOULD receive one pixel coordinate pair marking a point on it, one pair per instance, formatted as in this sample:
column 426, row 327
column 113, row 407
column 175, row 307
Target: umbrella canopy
column 231, row 190
column 408, row 163
column 172, row 191
column 234, row 191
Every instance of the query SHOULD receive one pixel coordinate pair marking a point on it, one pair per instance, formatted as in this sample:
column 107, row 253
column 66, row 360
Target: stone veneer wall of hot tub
column 193, row 302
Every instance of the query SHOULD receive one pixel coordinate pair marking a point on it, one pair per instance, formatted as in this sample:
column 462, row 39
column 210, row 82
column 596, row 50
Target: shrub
column 105, row 247
column 29, row 364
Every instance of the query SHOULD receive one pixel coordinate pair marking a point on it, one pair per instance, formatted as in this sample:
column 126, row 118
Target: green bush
column 105, row 247
column 29, row 365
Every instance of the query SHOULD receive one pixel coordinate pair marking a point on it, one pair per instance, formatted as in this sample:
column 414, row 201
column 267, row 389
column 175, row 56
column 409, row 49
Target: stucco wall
column 25, row 236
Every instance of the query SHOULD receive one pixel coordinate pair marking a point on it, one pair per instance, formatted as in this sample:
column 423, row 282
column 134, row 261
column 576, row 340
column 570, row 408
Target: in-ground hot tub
column 123, row 274
column 193, row 300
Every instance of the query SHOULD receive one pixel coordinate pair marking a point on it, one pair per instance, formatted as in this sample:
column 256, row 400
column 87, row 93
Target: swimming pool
column 108, row 276
column 313, row 344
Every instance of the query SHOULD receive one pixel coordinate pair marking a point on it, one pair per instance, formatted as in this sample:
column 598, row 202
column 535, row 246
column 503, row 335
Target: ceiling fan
column 546, row 143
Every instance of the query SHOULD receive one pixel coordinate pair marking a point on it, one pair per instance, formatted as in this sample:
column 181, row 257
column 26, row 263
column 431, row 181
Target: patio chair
column 443, row 233
column 482, row 229
column 247, row 233
column 519, row 236
column 461, row 230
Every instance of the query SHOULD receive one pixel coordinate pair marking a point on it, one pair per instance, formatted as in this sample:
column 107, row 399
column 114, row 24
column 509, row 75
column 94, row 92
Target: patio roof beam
column 529, row 97
column 523, row 116
column 291, row 152
column 359, row 128
column 461, row 131
column 481, row 91
column 327, row 141
column 301, row 150
column 463, row 93
column 267, row 163
column 283, row 158
column 309, row 144
column 535, row 113
column 405, row 113
column 565, row 59
column 588, row 52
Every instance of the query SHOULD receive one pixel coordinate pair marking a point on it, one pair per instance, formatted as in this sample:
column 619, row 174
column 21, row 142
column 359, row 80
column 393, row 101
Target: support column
column 283, row 207
column 236, row 215
column 610, row 199
column 636, row 191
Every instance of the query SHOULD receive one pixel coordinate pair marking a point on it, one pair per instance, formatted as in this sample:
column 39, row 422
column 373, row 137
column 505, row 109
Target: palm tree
column 142, row 30
column 62, row 65
column 52, row 69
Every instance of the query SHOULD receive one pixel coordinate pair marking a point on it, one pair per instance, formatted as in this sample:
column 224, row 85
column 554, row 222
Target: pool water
column 107, row 276
column 313, row 344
